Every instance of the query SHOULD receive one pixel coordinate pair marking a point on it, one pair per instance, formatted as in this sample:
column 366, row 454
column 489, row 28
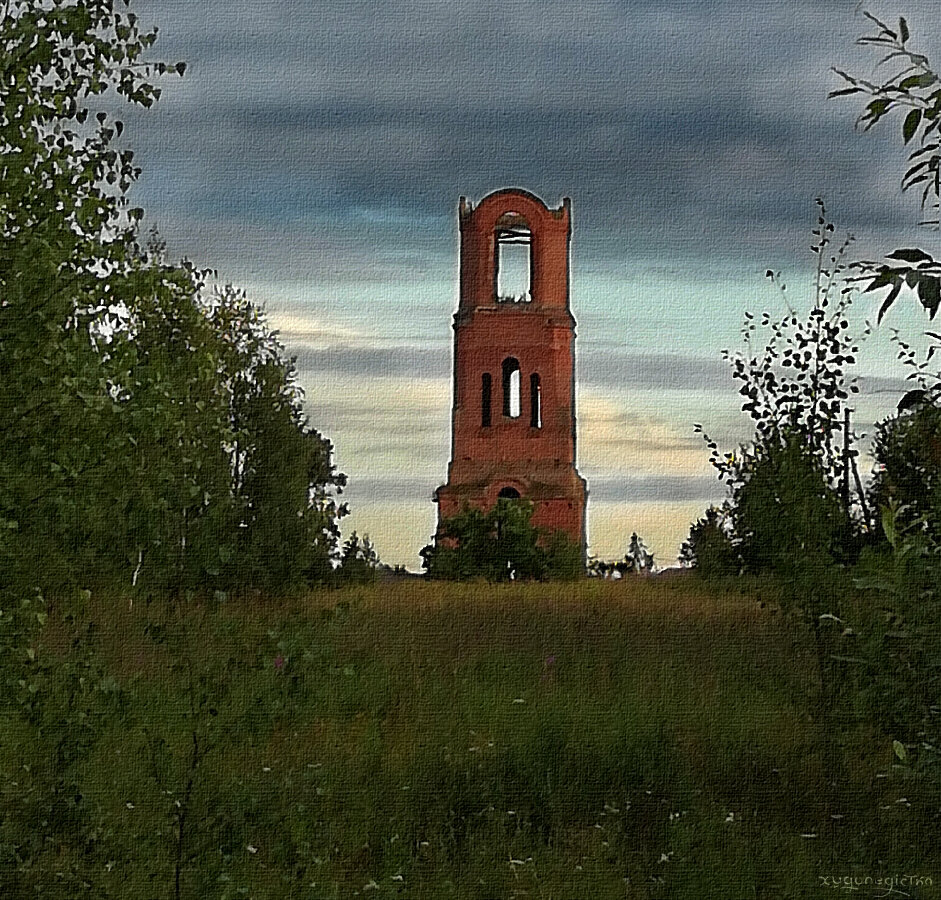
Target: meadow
column 639, row 739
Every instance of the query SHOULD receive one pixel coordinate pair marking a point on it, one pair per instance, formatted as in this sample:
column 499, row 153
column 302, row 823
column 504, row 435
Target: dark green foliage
column 500, row 545
column 601, row 568
column 789, row 514
column 637, row 561
column 897, row 647
column 796, row 378
column 907, row 451
column 892, row 666
column 283, row 473
column 359, row 562
column 565, row 559
column 789, row 505
column 639, row 557
column 709, row 547
column 54, row 710
column 783, row 508
column 151, row 431
column 65, row 247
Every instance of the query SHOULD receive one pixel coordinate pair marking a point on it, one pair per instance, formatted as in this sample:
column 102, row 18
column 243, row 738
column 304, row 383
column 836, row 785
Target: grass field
column 641, row 739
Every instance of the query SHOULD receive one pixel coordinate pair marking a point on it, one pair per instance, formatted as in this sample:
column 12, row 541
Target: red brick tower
column 513, row 418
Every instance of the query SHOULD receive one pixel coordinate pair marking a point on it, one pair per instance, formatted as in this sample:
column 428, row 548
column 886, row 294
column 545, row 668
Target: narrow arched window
column 485, row 391
column 511, row 387
column 535, row 401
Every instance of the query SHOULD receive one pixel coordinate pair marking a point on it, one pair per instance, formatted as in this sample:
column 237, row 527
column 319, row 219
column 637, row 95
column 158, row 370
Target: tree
column 501, row 544
column 284, row 479
column 796, row 381
column 795, row 387
column 907, row 451
column 359, row 563
column 151, row 429
column 897, row 630
column 709, row 548
column 639, row 556
column 788, row 513
column 785, row 513
column 65, row 240
column 151, row 435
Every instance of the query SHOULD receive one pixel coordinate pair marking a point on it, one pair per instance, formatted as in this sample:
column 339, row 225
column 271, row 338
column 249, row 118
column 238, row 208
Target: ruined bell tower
column 513, row 413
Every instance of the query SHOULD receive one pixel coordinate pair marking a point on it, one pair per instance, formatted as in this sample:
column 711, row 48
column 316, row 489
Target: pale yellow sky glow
column 614, row 438
column 647, row 470
column 391, row 437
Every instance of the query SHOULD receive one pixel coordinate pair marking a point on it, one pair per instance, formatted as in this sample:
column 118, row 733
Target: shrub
column 709, row 547
column 359, row 563
column 784, row 510
column 500, row 545
column 907, row 450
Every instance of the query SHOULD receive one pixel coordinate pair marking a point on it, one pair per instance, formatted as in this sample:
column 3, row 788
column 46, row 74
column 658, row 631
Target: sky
column 314, row 154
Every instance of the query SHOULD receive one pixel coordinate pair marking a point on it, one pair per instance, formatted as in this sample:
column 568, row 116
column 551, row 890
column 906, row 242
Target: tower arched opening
column 511, row 387
column 513, row 259
column 486, row 390
column 535, row 401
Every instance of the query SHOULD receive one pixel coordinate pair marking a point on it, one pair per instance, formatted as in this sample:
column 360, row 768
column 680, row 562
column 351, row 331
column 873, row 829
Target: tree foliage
column 913, row 88
column 151, row 429
column 500, row 544
column 907, row 451
column 793, row 373
column 359, row 563
column 784, row 510
column 152, row 438
column 785, row 505
column 710, row 548
column 637, row 561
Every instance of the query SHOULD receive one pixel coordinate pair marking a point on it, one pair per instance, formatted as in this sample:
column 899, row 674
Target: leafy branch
column 913, row 86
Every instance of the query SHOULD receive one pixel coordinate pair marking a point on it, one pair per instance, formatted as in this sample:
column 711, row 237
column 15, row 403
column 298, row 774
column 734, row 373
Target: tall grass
column 643, row 739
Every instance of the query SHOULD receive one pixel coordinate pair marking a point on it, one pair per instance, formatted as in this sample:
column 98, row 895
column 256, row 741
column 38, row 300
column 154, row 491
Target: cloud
column 654, row 370
column 685, row 128
column 296, row 329
column 658, row 488
column 315, row 152
column 616, row 439
column 399, row 361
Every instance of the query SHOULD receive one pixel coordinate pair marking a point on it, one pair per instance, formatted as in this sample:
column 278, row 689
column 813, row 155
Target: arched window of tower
column 535, row 401
column 513, row 259
column 511, row 387
column 486, row 383
column 509, row 493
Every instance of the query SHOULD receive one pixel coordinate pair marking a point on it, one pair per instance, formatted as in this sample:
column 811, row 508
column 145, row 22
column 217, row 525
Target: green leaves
column 141, row 427
column 914, row 88
column 875, row 110
column 501, row 544
column 923, row 80
column 910, row 125
column 911, row 254
column 923, row 278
